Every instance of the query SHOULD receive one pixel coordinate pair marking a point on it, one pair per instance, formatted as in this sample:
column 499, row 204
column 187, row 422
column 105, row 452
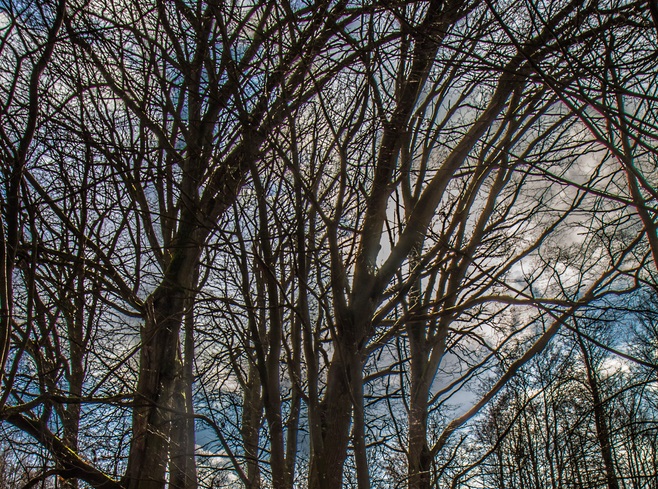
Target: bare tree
column 314, row 226
column 186, row 98
column 29, row 37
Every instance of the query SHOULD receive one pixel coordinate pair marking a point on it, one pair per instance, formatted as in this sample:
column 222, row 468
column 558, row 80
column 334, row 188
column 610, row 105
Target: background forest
column 328, row 243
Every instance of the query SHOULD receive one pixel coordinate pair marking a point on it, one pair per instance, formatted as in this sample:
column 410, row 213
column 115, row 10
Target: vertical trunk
column 551, row 435
column 252, row 412
column 426, row 355
column 70, row 425
column 359, row 430
column 6, row 270
column 160, row 366
column 295, row 403
column 419, row 457
column 272, row 405
column 328, row 456
column 425, row 361
column 182, row 465
column 160, row 358
column 576, row 474
column 269, row 358
column 75, row 377
column 602, row 432
column 501, row 469
column 270, row 379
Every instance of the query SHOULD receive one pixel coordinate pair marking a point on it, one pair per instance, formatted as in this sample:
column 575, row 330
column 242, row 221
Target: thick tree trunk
column 425, row 360
column 160, row 366
column 420, row 457
column 160, row 359
column 182, row 465
column 328, row 459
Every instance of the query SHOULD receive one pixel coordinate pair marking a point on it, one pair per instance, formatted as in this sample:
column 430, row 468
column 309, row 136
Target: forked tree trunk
column 160, row 360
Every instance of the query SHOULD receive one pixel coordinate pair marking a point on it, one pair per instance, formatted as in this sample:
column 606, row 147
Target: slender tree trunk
column 269, row 358
column 292, row 427
column 602, row 432
column 359, row 429
column 252, row 413
column 419, row 456
column 425, row 359
column 77, row 347
column 6, row 271
column 272, row 404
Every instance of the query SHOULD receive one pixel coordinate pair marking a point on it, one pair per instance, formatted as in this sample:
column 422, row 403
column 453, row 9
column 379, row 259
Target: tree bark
column 420, row 456
column 252, row 413
column 602, row 431
column 160, row 366
column 328, row 456
column 76, row 374
column 182, row 465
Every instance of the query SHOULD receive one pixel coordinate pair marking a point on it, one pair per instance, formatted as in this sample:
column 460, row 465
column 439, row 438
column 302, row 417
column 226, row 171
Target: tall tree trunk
column 600, row 421
column 359, row 429
column 160, row 355
column 6, row 299
column 76, row 373
column 292, row 426
column 425, row 360
column 252, row 413
column 420, row 457
column 425, row 357
column 160, row 366
column 182, row 464
column 269, row 354
column 328, row 456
